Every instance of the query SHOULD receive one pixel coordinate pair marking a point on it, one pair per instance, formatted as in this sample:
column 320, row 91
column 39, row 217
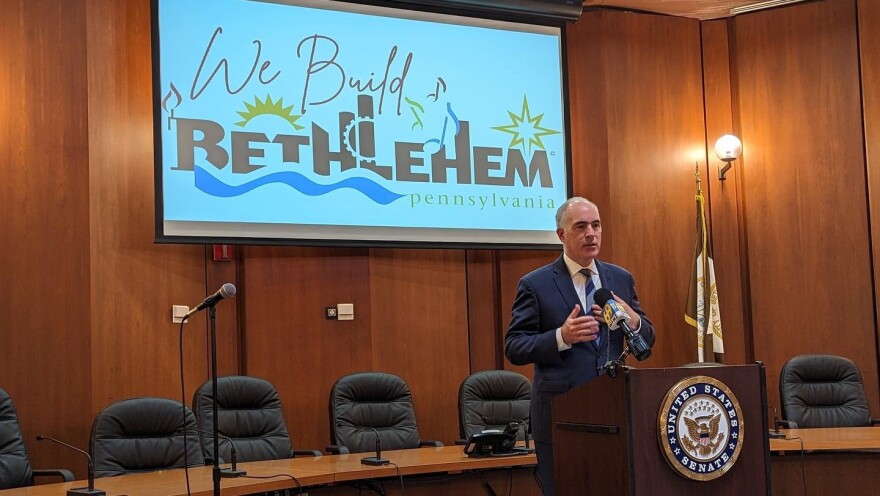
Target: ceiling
column 699, row 9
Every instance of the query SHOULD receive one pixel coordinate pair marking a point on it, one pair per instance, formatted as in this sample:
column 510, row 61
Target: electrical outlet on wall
column 178, row 312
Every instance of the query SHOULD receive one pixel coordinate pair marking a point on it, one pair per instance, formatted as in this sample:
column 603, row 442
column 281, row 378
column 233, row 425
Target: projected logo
column 357, row 137
column 700, row 428
column 399, row 129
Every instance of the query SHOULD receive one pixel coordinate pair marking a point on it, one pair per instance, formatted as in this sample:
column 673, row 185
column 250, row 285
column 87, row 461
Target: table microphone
column 79, row 491
column 775, row 433
column 226, row 473
column 375, row 460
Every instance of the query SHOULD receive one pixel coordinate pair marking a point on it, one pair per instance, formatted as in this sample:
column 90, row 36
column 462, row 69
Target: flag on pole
column 702, row 310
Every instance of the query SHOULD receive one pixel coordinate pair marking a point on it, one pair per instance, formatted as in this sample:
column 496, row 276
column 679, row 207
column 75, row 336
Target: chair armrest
column 337, row 450
column 295, row 453
column 436, row 444
column 66, row 475
column 460, row 442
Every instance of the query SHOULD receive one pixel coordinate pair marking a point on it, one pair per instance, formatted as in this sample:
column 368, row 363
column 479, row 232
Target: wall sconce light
column 728, row 148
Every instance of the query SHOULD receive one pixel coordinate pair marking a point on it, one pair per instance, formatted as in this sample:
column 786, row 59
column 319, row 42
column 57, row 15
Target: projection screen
column 321, row 122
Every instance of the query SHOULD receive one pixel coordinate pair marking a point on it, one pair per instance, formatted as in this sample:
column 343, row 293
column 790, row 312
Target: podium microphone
column 375, row 460
column 80, row 491
column 616, row 318
column 226, row 291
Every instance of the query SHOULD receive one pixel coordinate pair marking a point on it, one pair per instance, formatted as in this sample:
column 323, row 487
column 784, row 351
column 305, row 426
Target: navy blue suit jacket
column 544, row 300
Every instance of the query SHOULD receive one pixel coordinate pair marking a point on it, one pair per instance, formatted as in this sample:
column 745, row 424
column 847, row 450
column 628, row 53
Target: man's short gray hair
column 560, row 212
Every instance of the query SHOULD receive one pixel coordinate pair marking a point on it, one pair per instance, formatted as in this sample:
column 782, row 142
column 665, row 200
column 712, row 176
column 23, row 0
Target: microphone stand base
column 776, row 434
column 229, row 473
column 372, row 460
column 84, row 491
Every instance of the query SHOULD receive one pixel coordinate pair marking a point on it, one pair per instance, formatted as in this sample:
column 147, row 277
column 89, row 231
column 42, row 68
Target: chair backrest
column 365, row 401
column 823, row 391
column 15, row 467
column 249, row 413
column 491, row 399
column 143, row 435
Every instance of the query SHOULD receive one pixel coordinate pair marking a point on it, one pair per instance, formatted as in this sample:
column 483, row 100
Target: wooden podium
column 664, row 431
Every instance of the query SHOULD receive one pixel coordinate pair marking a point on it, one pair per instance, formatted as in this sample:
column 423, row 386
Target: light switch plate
column 345, row 311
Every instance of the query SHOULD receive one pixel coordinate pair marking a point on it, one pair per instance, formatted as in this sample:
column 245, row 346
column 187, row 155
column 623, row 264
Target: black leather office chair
column 370, row 404
column 823, row 391
column 143, row 435
column 249, row 414
column 491, row 399
column 15, row 466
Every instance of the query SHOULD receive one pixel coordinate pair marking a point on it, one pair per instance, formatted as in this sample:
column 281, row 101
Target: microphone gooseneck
column 62, row 443
column 775, row 433
column 88, row 491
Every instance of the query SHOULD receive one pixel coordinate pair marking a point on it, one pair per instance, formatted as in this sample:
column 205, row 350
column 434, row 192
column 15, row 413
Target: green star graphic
column 526, row 130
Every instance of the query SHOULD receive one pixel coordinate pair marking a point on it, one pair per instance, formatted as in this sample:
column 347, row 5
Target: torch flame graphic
column 176, row 94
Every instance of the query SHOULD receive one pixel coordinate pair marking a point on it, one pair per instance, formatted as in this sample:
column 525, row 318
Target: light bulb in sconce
column 728, row 148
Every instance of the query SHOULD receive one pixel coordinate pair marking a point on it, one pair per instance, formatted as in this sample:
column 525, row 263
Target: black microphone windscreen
column 227, row 290
column 601, row 296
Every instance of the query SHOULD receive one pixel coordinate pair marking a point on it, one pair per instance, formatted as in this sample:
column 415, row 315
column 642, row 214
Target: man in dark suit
column 550, row 328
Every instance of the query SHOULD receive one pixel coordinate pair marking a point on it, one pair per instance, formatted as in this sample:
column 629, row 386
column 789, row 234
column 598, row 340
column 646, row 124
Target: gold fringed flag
column 702, row 308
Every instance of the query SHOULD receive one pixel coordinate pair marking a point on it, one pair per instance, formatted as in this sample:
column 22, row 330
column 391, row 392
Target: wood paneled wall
column 635, row 88
column 85, row 321
column 725, row 208
column 804, row 186
column 869, row 55
column 44, row 212
column 133, row 280
column 290, row 343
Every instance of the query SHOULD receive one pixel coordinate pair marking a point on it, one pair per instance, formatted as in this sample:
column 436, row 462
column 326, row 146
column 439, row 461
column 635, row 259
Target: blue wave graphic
column 215, row 187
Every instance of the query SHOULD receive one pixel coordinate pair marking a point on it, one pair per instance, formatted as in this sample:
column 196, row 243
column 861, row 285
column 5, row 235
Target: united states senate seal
column 700, row 428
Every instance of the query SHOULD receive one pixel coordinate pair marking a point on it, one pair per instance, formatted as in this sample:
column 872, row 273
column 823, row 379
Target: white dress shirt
column 579, row 280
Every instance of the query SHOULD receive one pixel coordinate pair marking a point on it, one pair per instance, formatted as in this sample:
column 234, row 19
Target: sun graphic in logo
column 268, row 107
column 526, row 130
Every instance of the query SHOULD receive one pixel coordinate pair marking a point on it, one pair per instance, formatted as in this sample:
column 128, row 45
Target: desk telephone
column 494, row 442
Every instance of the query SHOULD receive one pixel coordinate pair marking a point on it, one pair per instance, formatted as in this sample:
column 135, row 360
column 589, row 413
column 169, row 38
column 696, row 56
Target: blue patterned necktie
column 589, row 289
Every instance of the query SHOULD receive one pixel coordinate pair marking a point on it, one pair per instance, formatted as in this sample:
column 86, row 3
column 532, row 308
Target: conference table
column 826, row 461
column 329, row 474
